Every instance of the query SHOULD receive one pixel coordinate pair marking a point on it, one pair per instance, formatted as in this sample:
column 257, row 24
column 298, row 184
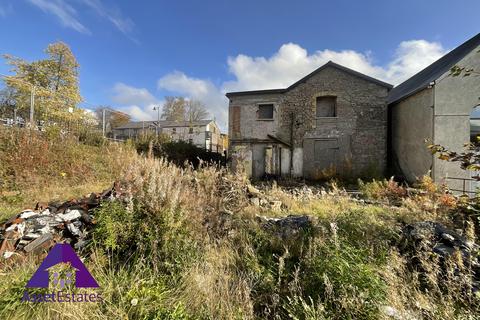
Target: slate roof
column 163, row 124
column 304, row 79
column 431, row 73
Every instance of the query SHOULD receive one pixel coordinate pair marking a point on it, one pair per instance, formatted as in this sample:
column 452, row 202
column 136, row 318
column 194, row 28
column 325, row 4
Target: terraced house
column 202, row 133
column 333, row 121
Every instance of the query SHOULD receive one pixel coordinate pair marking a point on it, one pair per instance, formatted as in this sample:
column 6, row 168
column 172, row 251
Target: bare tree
column 196, row 110
column 113, row 118
column 183, row 109
column 8, row 106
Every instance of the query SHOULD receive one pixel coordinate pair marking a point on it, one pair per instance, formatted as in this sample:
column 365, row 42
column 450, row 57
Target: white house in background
column 203, row 133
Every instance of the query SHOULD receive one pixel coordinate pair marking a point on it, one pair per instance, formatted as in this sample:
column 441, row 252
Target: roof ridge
column 330, row 63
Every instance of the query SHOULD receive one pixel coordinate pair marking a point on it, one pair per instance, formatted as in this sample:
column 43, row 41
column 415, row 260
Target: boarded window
column 326, row 106
column 235, row 121
column 265, row 111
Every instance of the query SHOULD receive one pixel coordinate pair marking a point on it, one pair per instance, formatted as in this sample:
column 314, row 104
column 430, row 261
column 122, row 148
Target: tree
column 181, row 109
column 113, row 118
column 54, row 82
column 196, row 110
column 174, row 109
column 8, row 106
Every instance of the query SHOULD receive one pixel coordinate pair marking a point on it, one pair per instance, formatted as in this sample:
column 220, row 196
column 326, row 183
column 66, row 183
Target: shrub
column 388, row 190
column 180, row 152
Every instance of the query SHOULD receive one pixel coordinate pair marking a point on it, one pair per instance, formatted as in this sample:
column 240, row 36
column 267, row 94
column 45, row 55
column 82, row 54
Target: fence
column 464, row 189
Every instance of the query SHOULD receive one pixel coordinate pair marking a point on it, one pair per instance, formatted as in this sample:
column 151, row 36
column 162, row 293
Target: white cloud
column 199, row 89
column 68, row 15
column 113, row 14
column 127, row 95
column 291, row 63
column 411, row 57
column 141, row 113
column 137, row 102
column 63, row 11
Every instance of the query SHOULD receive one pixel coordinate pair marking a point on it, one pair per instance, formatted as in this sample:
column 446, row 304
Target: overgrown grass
column 185, row 244
column 48, row 167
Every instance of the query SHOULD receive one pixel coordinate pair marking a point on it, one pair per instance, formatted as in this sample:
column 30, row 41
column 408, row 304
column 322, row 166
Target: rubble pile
column 36, row 230
column 434, row 239
column 260, row 199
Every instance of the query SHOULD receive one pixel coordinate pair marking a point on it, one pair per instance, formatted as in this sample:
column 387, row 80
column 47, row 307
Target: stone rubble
column 37, row 230
column 434, row 238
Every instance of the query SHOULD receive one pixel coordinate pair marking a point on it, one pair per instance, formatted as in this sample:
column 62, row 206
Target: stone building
column 440, row 108
column 333, row 121
column 202, row 133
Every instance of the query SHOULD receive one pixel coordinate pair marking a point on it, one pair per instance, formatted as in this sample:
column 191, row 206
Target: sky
column 134, row 53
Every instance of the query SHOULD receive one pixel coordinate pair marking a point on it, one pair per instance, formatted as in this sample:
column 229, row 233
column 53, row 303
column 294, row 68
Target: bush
column 388, row 190
column 180, row 152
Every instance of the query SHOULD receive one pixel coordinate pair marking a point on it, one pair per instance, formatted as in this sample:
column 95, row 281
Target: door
column 320, row 157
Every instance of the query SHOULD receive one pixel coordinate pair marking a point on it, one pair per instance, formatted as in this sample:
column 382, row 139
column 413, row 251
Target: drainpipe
column 432, row 85
column 291, row 143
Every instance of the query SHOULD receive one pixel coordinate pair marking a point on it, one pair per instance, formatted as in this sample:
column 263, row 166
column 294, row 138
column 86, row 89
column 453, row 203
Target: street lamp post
column 157, row 129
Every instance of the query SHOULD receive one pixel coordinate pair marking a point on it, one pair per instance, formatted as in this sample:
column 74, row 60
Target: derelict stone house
column 332, row 120
column 337, row 118
column 436, row 106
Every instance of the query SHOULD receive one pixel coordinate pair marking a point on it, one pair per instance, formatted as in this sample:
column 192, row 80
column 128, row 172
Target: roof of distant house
column 328, row 64
column 424, row 78
column 163, row 124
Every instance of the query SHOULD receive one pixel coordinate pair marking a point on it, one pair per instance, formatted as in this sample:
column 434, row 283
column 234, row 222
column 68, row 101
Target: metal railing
column 464, row 189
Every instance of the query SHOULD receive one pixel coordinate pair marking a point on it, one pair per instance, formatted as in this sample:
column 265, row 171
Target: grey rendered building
column 334, row 120
column 435, row 106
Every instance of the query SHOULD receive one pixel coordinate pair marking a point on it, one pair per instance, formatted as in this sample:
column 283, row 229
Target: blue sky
column 133, row 53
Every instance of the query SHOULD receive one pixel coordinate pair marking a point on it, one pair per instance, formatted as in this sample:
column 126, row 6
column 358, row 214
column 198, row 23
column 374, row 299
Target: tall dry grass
column 185, row 244
column 36, row 166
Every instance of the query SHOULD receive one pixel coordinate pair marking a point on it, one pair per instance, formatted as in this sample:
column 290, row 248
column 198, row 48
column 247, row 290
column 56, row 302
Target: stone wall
column 359, row 128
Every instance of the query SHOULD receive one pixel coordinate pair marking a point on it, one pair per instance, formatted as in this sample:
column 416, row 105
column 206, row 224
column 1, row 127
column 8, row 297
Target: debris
column 292, row 231
column 8, row 254
column 32, row 231
column 28, row 214
column 70, row 215
column 432, row 239
column 37, row 242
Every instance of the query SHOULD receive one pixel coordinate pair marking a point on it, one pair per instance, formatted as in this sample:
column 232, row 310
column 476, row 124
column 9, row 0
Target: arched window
column 475, row 124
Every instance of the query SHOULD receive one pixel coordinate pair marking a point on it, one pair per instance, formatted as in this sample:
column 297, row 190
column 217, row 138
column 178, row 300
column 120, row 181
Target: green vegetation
column 179, row 152
column 50, row 166
column 185, row 243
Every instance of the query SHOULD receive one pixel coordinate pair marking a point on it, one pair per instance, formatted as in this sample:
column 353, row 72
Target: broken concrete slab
column 38, row 242
column 28, row 214
column 69, row 215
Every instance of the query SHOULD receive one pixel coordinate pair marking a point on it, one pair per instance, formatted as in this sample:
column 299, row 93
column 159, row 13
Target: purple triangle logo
column 62, row 253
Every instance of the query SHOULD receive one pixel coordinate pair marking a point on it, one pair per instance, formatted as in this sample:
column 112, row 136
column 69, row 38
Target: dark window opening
column 265, row 111
column 326, row 107
column 190, row 130
column 475, row 124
